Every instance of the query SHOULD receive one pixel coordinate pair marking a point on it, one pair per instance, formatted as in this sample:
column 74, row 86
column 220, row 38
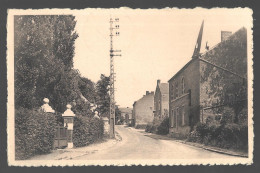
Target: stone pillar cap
column 68, row 112
column 46, row 107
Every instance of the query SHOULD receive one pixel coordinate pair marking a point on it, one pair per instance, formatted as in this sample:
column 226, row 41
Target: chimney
column 147, row 92
column 225, row 35
column 158, row 81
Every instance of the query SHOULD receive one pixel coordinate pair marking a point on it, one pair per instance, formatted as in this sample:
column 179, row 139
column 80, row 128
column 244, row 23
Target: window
column 159, row 105
column 172, row 92
column 176, row 117
column 183, row 116
column 182, row 85
column 172, row 119
column 176, row 90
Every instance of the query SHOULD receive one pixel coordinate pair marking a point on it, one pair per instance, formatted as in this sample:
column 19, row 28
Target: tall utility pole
column 113, row 28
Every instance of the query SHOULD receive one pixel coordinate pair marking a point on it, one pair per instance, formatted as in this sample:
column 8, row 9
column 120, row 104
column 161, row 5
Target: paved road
column 136, row 144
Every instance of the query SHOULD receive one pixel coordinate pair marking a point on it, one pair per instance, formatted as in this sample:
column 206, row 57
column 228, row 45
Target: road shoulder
column 198, row 145
column 69, row 154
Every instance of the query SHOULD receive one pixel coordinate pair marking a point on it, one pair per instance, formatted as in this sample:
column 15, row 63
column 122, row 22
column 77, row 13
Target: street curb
column 213, row 149
column 202, row 146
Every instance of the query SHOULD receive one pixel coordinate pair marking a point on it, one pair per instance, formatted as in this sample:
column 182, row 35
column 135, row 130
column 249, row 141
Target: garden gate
column 61, row 137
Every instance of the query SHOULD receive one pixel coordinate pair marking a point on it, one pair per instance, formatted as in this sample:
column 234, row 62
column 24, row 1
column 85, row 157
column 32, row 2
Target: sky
column 155, row 44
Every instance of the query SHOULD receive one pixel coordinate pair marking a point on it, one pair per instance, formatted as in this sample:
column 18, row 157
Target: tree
column 118, row 115
column 102, row 97
column 43, row 53
column 87, row 88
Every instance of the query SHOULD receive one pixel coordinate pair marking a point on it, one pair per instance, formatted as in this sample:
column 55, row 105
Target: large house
column 206, row 80
column 143, row 109
column 161, row 100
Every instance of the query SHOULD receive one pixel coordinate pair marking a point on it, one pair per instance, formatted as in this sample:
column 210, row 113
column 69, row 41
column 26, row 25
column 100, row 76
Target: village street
column 132, row 144
column 137, row 144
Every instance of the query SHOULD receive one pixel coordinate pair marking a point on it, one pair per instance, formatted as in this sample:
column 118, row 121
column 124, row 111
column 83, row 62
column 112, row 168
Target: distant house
column 126, row 114
column 192, row 89
column 161, row 100
column 143, row 109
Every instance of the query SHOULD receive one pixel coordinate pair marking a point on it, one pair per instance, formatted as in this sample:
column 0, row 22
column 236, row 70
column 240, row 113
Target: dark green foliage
column 222, row 87
column 34, row 132
column 87, row 88
column 119, row 119
column 150, row 128
column 103, row 98
column 230, row 136
column 43, row 54
column 96, row 130
column 160, row 127
column 163, row 128
column 140, row 126
column 87, row 130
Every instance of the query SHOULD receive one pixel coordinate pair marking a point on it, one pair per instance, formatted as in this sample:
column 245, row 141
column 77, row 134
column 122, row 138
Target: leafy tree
column 87, row 88
column 103, row 98
column 118, row 115
column 43, row 53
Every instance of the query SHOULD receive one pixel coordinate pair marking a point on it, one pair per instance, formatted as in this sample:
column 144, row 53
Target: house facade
column 204, row 82
column 143, row 109
column 161, row 100
column 126, row 113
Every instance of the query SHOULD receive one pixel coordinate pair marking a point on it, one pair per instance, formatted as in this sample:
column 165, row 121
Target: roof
column 183, row 68
column 193, row 59
column 149, row 95
column 164, row 88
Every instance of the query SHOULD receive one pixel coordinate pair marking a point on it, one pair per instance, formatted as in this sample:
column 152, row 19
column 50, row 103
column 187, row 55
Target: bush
column 225, row 136
column 158, row 126
column 87, row 130
column 140, row 126
column 149, row 128
column 34, row 132
column 163, row 128
column 96, row 130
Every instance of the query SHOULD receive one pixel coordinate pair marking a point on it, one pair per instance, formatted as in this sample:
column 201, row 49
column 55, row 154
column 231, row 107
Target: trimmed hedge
column 87, row 130
column 229, row 136
column 34, row 132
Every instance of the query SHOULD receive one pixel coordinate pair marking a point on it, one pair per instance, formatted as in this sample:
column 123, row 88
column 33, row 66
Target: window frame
column 182, row 85
column 183, row 116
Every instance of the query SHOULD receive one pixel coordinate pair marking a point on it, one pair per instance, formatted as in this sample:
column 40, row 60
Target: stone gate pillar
column 46, row 107
column 68, row 117
column 106, row 125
